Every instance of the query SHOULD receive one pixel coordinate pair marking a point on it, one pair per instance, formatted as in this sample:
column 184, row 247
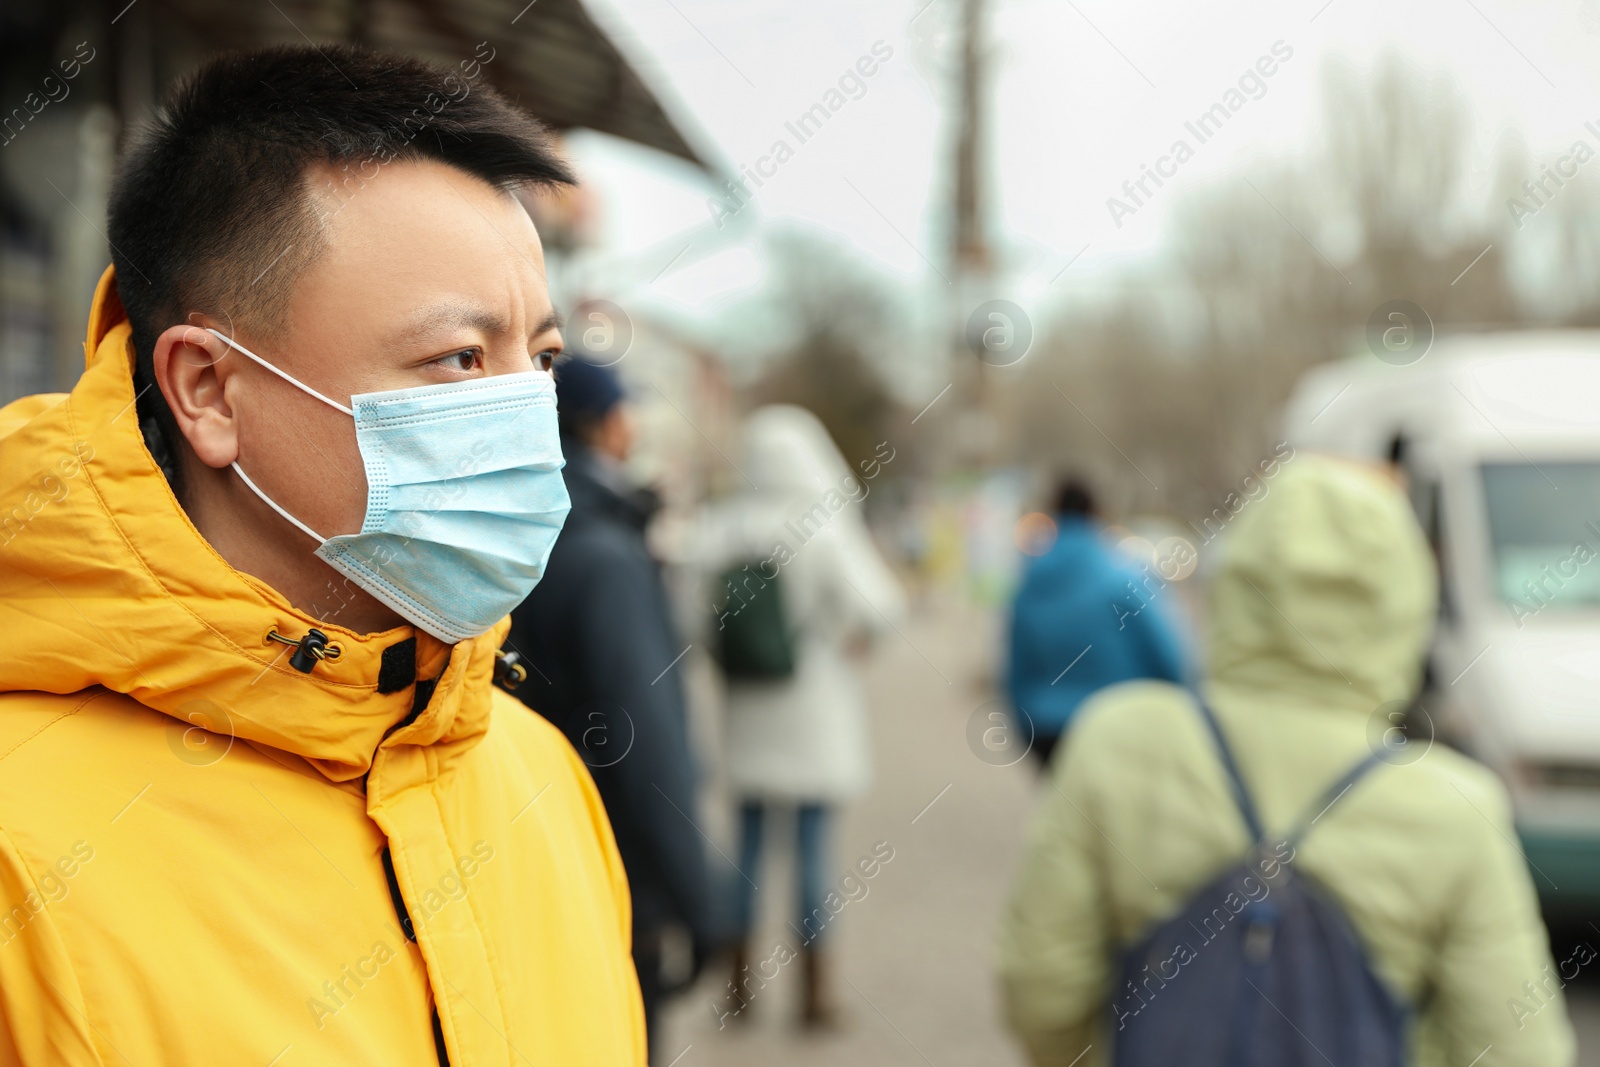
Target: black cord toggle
column 310, row 650
column 508, row 669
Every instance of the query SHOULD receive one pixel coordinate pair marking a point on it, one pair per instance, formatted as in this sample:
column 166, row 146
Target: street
column 914, row 956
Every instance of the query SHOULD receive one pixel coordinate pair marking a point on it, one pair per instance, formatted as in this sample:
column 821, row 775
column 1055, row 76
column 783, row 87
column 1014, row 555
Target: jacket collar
column 111, row 585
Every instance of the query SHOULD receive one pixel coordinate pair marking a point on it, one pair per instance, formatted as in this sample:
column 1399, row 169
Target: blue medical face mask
column 464, row 497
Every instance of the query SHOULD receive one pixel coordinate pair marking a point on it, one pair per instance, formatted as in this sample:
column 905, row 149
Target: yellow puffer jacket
column 1320, row 615
column 193, row 834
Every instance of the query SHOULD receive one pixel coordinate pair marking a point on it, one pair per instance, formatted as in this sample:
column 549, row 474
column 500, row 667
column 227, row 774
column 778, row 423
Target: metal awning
column 549, row 55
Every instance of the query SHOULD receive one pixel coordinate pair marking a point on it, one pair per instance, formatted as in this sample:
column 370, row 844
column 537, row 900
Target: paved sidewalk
column 914, row 957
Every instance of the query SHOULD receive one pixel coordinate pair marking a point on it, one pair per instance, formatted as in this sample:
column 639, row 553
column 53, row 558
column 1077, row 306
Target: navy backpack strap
column 1331, row 795
column 1241, row 794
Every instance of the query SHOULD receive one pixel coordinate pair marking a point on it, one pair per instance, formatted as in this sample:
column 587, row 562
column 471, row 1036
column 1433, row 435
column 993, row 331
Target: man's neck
column 257, row 541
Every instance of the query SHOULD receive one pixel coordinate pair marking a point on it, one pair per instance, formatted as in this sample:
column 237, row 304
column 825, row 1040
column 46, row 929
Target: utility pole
column 971, row 249
column 971, row 258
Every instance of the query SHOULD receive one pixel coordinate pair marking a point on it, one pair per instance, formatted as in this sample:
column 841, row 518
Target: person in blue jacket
column 1084, row 618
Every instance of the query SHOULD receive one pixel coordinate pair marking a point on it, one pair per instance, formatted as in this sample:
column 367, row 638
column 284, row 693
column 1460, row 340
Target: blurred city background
column 1007, row 239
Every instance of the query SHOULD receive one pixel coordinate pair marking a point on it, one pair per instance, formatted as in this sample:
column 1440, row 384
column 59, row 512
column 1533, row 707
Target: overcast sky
column 1084, row 93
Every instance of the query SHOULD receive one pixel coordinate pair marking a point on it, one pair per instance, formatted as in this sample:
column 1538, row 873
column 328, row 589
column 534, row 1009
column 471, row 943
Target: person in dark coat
column 604, row 664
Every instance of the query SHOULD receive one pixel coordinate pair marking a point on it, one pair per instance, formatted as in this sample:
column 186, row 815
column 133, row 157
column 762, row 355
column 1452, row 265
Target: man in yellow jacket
column 260, row 801
column 1320, row 616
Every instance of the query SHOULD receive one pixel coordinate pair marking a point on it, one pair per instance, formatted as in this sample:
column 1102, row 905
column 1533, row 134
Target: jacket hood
column 105, row 582
column 1327, row 591
column 787, row 450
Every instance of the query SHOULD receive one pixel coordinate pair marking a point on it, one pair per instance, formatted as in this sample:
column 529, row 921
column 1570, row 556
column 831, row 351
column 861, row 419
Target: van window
column 1544, row 531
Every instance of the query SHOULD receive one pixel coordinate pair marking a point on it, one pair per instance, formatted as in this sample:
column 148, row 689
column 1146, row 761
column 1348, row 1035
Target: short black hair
column 1073, row 497
column 211, row 211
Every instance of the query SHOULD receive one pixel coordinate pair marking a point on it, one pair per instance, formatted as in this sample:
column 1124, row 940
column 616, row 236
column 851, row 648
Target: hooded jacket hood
column 788, row 450
column 104, row 581
column 1327, row 592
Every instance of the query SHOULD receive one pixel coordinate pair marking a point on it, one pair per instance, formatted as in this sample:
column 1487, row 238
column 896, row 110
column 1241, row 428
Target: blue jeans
column 811, row 858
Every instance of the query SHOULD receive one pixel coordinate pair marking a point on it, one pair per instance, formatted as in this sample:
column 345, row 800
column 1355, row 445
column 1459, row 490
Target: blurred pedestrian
column 1321, row 614
column 801, row 592
column 1084, row 618
column 604, row 662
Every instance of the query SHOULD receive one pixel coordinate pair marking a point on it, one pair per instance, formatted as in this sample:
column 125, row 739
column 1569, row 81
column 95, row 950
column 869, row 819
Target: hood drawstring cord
column 310, row 650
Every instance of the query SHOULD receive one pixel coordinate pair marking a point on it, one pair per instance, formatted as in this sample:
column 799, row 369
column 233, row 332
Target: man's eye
column 545, row 360
column 468, row 359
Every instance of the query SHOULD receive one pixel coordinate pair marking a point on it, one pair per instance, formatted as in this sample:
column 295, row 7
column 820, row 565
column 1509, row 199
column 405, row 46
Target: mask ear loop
column 254, row 488
column 242, row 350
column 273, row 504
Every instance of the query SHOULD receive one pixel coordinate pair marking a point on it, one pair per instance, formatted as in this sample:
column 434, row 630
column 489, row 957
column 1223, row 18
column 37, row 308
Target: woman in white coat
column 797, row 743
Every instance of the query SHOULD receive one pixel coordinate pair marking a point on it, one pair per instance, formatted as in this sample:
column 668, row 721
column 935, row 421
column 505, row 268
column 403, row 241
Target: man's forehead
column 436, row 249
column 420, row 200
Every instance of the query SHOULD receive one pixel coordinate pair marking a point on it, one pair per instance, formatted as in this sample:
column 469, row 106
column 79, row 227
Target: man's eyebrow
column 550, row 322
column 448, row 316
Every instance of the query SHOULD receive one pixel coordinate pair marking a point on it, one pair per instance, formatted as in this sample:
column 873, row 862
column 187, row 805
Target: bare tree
column 1176, row 385
column 844, row 320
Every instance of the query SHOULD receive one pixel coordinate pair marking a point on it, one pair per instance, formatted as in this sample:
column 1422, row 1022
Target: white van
column 1499, row 436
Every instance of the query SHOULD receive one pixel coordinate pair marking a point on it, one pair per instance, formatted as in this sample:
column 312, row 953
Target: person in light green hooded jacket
column 1320, row 615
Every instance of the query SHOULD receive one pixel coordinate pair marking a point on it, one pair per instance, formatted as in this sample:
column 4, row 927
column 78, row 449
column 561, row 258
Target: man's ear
column 191, row 372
